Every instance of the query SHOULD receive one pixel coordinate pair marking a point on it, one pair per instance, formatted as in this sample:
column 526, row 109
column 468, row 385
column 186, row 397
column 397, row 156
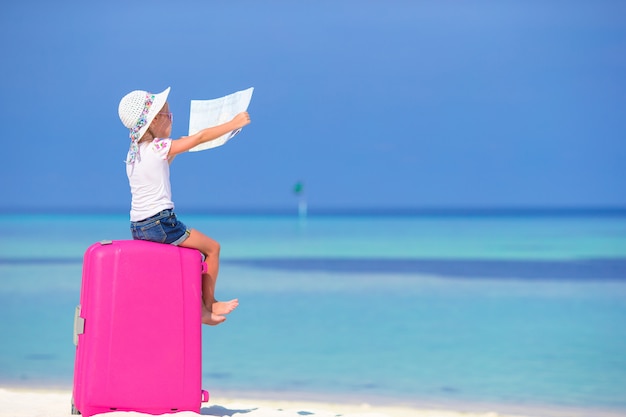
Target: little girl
column 147, row 167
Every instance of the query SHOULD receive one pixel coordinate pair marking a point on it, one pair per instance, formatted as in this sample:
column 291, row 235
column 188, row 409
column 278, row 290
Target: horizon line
column 442, row 211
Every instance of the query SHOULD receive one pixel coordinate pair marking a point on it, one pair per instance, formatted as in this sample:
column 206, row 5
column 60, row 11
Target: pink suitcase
column 138, row 329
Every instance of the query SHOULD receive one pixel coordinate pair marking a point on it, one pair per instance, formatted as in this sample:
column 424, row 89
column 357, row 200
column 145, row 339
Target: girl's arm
column 187, row 142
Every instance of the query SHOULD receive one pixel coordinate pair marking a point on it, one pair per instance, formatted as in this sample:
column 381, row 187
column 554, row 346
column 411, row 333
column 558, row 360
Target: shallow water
column 441, row 309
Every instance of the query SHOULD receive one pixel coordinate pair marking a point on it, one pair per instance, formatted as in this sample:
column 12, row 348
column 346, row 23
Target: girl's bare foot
column 224, row 307
column 212, row 319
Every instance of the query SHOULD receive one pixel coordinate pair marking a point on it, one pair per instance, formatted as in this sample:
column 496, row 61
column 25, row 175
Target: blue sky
column 372, row 104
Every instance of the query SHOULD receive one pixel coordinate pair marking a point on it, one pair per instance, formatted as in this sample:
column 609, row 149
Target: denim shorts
column 163, row 227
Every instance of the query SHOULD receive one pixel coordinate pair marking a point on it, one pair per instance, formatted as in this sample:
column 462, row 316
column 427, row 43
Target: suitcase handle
column 205, row 396
column 79, row 324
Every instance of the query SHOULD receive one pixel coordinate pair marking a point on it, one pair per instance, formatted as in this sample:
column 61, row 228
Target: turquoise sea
column 444, row 309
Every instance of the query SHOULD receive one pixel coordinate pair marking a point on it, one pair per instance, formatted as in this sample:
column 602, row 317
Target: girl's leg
column 213, row 311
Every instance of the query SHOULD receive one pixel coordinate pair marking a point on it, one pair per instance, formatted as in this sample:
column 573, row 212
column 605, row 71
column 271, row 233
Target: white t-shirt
column 149, row 179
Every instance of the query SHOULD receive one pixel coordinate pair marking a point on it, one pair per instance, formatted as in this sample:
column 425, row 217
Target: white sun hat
column 137, row 109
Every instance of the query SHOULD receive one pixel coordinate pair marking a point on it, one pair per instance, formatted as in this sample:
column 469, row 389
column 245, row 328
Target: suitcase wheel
column 75, row 411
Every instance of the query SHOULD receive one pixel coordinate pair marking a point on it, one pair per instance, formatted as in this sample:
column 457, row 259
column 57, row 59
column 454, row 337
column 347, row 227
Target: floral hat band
column 137, row 110
column 133, row 151
column 134, row 131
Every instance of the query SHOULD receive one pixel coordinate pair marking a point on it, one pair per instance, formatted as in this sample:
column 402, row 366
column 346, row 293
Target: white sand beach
column 32, row 402
column 48, row 403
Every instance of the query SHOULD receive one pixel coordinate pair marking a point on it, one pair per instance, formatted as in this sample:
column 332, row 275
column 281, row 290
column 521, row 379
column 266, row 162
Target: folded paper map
column 209, row 113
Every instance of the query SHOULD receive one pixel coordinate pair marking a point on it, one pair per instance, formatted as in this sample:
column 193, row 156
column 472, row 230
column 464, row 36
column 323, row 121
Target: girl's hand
column 241, row 120
column 187, row 142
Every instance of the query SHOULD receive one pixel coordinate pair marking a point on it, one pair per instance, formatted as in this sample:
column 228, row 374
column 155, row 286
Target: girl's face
column 162, row 123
